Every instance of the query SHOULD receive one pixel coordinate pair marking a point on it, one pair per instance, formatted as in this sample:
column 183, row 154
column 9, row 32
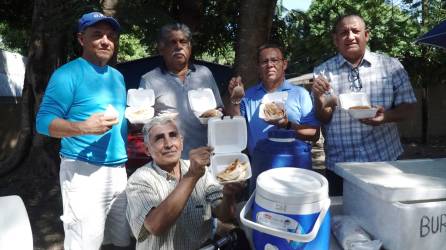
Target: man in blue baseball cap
column 92, row 18
column 84, row 105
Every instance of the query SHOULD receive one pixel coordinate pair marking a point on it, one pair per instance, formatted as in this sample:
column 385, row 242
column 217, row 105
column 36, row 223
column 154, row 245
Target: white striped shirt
column 387, row 84
column 148, row 186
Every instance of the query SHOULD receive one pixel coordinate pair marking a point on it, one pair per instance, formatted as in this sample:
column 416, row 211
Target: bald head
column 350, row 38
column 340, row 19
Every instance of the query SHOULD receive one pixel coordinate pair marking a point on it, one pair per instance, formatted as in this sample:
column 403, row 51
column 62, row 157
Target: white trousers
column 94, row 204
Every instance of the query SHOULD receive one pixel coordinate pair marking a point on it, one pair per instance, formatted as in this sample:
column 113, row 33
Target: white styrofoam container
column 402, row 203
column 200, row 101
column 228, row 137
column 348, row 100
column 140, row 97
column 279, row 97
column 140, row 105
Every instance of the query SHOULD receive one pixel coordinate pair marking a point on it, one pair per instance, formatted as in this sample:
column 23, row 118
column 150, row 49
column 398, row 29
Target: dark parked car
column 132, row 71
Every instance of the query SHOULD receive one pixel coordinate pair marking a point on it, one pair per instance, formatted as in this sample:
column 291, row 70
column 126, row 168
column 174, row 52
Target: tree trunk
column 52, row 24
column 425, row 82
column 109, row 8
column 254, row 30
column 190, row 13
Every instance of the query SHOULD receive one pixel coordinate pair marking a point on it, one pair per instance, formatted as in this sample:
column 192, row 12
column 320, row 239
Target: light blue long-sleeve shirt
column 77, row 90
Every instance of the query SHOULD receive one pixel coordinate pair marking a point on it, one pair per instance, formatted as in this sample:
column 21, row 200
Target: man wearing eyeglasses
column 383, row 80
column 298, row 106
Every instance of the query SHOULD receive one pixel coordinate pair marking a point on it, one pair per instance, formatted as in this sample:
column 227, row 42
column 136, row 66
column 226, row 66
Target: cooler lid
column 405, row 180
column 227, row 135
column 140, row 97
column 201, row 100
column 292, row 186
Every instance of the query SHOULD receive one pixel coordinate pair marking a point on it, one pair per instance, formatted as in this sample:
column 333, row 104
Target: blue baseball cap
column 92, row 18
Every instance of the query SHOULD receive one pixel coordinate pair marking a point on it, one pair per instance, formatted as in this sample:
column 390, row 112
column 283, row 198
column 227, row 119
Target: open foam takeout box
column 349, row 100
column 277, row 97
column 140, row 105
column 228, row 137
column 202, row 100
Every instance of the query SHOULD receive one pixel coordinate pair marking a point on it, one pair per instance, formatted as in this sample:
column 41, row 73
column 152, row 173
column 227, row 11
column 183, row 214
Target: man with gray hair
column 169, row 199
column 172, row 81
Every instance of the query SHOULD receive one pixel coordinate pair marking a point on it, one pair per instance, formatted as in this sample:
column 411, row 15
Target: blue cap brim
column 110, row 20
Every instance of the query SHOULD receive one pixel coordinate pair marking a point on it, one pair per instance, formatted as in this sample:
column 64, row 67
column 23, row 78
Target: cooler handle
column 282, row 234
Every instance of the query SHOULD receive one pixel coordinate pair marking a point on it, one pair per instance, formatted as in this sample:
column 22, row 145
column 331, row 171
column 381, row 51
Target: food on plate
column 273, row 110
column 237, row 170
column 360, row 107
column 210, row 113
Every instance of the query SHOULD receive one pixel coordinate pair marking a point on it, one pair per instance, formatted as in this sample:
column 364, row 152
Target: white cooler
column 402, row 203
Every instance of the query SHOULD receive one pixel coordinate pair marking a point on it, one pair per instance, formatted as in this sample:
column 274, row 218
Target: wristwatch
column 236, row 102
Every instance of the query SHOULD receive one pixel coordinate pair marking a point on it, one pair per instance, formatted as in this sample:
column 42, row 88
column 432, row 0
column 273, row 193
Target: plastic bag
column 351, row 236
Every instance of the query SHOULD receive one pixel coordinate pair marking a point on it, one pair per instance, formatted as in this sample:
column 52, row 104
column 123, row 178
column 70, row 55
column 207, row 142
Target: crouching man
column 170, row 200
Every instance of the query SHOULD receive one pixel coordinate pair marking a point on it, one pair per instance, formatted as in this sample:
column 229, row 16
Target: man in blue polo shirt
column 298, row 105
column 84, row 105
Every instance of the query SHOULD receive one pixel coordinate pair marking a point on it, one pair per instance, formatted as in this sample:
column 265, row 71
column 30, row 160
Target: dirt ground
column 43, row 201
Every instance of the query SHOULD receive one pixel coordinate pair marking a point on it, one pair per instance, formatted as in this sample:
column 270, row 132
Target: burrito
column 210, row 113
column 273, row 111
column 237, row 170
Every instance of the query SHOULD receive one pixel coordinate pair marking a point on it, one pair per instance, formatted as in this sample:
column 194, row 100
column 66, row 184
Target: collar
column 367, row 60
column 284, row 86
column 97, row 68
column 164, row 70
column 164, row 173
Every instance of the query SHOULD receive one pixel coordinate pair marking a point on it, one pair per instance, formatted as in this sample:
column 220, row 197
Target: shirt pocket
column 198, row 208
column 381, row 92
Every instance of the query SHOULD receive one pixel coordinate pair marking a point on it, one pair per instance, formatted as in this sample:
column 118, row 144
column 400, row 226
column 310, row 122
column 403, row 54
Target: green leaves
column 393, row 29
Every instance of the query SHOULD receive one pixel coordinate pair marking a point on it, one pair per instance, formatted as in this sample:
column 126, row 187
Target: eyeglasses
column 355, row 80
column 274, row 61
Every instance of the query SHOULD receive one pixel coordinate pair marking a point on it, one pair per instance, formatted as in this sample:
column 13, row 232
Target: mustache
column 178, row 52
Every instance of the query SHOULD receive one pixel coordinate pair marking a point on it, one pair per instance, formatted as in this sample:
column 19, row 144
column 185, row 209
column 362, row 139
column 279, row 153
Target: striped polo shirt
column 148, row 186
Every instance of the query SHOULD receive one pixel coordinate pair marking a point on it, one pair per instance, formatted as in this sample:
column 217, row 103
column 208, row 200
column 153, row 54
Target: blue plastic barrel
column 280, row 149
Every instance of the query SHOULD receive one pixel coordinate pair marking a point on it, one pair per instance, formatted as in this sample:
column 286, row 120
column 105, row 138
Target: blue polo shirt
column 299, row 108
